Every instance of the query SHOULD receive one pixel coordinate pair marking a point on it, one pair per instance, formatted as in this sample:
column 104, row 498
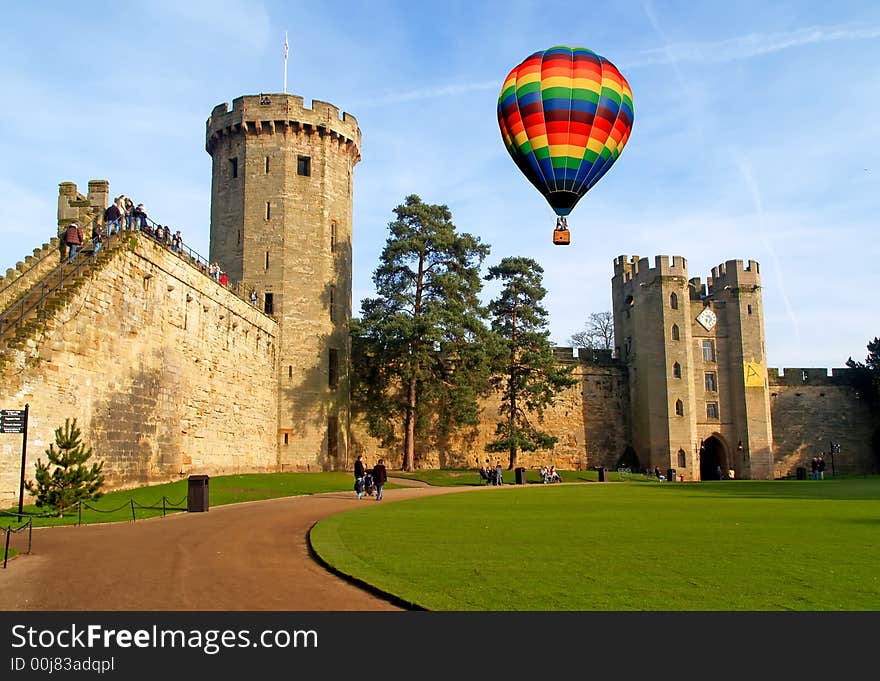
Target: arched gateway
column 713, row 454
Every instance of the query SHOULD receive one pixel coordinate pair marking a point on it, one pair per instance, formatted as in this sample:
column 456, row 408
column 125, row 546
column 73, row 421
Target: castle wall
column 166, row 372
column 26, row 273
column 810, row 409
column 590, row 419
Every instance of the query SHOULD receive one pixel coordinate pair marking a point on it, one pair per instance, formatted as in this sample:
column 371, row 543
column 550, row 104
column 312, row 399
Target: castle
column 170, row 373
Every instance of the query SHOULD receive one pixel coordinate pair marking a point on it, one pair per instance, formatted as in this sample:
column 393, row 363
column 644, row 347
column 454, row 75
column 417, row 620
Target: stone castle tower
column 281, row 222
column 697, row 368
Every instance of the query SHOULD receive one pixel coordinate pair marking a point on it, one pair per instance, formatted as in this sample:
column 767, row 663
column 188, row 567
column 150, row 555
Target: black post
column 6, row 550
column 23, row 460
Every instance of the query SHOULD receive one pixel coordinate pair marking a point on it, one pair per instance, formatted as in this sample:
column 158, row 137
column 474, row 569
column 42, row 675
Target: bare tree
column 598, row 333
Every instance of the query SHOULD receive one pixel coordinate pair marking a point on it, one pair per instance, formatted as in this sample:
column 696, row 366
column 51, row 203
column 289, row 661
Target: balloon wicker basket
column 561, row 237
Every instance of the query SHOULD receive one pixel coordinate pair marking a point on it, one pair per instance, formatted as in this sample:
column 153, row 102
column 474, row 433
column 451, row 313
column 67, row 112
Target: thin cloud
column 429, row 93
column 751, row 45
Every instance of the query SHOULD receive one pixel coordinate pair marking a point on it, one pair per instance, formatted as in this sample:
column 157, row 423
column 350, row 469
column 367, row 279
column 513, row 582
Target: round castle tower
column 281, row 222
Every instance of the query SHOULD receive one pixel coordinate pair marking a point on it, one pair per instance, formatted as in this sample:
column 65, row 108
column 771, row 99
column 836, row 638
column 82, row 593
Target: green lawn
column 222, row 489
column 727, row 545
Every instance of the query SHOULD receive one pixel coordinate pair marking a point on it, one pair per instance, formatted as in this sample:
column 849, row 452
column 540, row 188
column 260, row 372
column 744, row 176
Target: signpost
column 15, row 421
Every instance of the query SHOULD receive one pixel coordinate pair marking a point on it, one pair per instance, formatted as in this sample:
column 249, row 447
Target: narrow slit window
column 332, row 436
column 233, row 167
column 679, row 408
column 676, row 370
column 267, row 260
column 332, row 237
column 285, row 438
column 268, row 303
column 673, row 301
column 333, row 369
column 290, row 371
column 675, row 334
column 749, row 308
column 267, row 165
column 682, row 459
column 332, row 303
column 303, row 165
column 268, row 210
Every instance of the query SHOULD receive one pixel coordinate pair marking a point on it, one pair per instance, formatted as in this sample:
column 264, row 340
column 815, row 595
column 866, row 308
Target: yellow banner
column 754, row 373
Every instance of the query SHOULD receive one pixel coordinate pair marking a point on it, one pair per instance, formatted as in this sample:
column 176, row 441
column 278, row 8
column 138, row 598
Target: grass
column 222, row 489
column 725, row 545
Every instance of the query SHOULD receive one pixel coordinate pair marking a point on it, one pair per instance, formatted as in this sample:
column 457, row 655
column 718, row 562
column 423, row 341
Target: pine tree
column 526, row 373
column 419, row 363
column 65, row 478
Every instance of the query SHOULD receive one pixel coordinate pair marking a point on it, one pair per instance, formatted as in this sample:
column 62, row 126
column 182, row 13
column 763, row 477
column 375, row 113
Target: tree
column 868, row 385
column 526, row 373
column 65, row 478
column 420, row 364
column 598, row 333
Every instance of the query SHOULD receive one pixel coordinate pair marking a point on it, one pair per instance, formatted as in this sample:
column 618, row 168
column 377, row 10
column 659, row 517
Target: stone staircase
column 29, row 312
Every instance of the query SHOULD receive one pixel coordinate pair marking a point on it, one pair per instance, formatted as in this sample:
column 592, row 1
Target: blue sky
column 756, row 133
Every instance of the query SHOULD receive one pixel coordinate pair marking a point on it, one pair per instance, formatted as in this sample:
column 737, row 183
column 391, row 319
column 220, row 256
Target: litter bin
column 520, row 474
column 801, row 472
column 601, row 471
column 197, row 494
column 670, row 474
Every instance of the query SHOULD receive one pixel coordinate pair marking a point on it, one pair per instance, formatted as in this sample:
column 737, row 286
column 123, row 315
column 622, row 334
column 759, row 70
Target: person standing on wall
column 380, row 477
column 97, row 238
column 73, row 237
column 360, row 472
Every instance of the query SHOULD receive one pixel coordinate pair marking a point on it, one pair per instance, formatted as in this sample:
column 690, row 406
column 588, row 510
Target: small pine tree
column 69, row 479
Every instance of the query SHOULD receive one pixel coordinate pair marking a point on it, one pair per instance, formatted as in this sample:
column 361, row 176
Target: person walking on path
column 73, row 237
column 820, row 467
column 360, row 473
column 814, row 468
column 380, row 477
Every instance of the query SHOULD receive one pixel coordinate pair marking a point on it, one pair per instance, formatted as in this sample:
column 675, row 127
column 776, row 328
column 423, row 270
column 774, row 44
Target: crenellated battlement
column 635, row 269
column 697, row 288
column 283, row 114
column 734, row 274
column 811, row 376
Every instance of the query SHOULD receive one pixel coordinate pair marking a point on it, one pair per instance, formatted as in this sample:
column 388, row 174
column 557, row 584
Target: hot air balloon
column 565, row 115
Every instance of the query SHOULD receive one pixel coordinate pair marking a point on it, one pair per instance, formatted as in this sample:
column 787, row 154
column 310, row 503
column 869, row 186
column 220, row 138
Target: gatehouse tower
column 281, row 223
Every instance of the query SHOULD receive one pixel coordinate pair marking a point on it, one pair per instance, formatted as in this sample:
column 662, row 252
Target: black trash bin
column 801, row 472
column 520, row 474
column 670, row 474
column 601, row 471
column 197, row 494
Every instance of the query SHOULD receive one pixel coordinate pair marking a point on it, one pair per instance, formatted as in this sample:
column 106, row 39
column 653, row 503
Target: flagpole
column 285, row 63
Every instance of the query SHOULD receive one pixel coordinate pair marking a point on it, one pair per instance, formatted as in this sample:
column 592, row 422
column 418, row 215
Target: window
column 712, row 410
column 268, row 303
column 333, row 372
column 749, row 307
column 267, row 165
column 303, row 165
column 332, row 436
column 708, row 351
column 711, row 384
column 679, row 408
column 267, row 260
column 627, row 347
column 332, row 237
column 676, row 370
column 268, row 210
column 233, row 167
column 682, row 459
column 285, row 438
column 675, row 332
column 290, row 371
column 673, row 301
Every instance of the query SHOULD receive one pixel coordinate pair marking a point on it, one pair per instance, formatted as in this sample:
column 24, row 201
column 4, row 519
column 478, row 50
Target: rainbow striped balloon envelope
column 565, row 115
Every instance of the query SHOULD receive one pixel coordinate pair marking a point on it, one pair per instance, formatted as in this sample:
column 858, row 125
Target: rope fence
column 163, row 504
column 9, row 531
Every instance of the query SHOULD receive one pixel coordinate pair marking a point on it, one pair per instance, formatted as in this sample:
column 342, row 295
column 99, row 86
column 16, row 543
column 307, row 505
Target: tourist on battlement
column 253, row 295
column 128, row 206
column 112, row 218
column 140, row 217
column 176, row 242
column 223, row 278
column 73, row 237
column 159, row 234
column 97, row 238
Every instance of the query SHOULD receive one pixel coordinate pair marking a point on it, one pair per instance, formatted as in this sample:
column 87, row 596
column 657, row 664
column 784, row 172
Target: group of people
column 378, row 473
column 550, row 474
column 817, row 467
column 491, row 475
column 217, row 274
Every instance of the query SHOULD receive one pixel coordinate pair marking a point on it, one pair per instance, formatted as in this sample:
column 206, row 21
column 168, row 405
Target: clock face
column 707, row 318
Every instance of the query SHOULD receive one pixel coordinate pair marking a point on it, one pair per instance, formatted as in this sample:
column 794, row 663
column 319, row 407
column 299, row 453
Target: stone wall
column 810, row 409
column 167, row 373
column 28, row 272
column 590, row 419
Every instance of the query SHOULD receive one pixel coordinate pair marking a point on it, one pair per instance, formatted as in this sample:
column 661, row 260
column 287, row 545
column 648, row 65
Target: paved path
column 250, row 556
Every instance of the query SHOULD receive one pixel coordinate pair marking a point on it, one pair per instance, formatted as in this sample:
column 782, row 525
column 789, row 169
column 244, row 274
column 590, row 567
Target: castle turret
column 281, row 222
